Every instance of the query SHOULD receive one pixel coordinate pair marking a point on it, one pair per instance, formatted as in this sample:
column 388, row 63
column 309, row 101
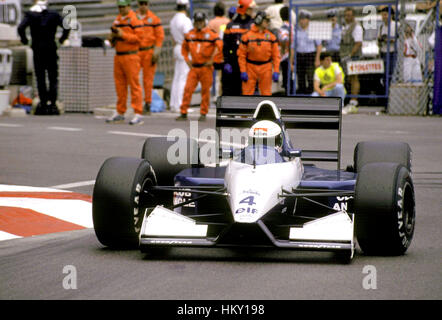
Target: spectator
column 387, row 42
column 125, row 38
column 329, row 78
column 257, row 53
column 150, row 48
column 351, row 49
column 285, row 50
column 333, row 45
column 307, row 54
column 179, row 26
column 202, row 44
column 272, row 12
column 231, row 75
column 218, row 25
column 43, row 24
column 412, row 66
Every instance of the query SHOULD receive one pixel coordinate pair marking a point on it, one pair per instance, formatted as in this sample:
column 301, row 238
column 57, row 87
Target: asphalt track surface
column 34, row 153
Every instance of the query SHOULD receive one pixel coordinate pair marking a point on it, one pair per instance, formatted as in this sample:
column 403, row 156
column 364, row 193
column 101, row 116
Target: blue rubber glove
column 244, row 76
column 228, row 68
column 275, row 76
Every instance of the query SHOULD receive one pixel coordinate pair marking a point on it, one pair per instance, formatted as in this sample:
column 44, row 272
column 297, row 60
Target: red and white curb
column 29, row 211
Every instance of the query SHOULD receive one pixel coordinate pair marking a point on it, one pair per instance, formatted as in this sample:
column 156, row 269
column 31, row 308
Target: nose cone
column 254, row 191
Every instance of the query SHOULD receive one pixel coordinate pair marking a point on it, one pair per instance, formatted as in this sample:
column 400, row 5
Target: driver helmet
column 266, row 132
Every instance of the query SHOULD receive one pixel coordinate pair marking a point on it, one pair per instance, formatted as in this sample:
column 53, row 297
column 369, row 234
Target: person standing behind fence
column 412, row 66
column 125, row 38
column 333, row 45
column 351, row 49
column 202, row 44
column 329, row 78
column 307, row 54
column 179, row 26
column 150, row 48
column 272, row 12
column 285, row 50
column 43, row 24
column 257, row 53
column 218, row 25
column 386, row 42
column 241, row 23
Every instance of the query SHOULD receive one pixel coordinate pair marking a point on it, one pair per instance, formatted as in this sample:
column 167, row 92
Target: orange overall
column 201, row 46
column 127, row 62
column 257, row 52
column 153, row 36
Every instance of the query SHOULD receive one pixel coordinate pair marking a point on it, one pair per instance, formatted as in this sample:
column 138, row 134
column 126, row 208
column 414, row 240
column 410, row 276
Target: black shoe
column 182, row 117
column 53, row 110
column 41, row 110
column 146, row 109
column 202, row 118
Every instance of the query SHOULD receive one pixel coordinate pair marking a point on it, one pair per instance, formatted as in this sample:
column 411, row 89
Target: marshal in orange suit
column 125, row 38
column 258, row 55
column 150, row 48
column 202, row 44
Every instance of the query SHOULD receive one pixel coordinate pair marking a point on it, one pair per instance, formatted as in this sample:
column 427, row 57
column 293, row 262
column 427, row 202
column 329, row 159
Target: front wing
column 164, row 227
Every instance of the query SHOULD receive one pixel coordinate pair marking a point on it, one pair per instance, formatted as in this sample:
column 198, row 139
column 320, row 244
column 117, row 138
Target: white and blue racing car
column 266, row 193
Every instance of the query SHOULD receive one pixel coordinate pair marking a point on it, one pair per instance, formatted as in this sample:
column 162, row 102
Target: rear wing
column 316, row 113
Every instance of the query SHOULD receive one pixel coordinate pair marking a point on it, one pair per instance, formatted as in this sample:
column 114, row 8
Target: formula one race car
column 264, row 192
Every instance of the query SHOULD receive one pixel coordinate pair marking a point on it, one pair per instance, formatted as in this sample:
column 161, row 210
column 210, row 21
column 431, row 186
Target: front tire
column 118, row 201
column 384, row 209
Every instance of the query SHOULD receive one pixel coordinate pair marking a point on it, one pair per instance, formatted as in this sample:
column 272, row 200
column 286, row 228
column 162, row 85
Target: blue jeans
column 337, row 91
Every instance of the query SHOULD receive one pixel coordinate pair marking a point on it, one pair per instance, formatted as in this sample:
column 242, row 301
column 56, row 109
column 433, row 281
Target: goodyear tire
column 168, row 158
column 382, row 151
column 384, row 208
column 118, row 201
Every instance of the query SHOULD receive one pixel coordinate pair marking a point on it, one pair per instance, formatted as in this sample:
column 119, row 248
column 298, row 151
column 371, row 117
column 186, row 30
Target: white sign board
column 365, row 67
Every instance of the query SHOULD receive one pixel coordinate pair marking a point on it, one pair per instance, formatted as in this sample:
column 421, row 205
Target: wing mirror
column 295, row 153
column 226, row 153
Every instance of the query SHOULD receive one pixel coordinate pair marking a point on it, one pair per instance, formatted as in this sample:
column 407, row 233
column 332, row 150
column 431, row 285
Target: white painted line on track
column 12, row 188
column 65, row 129
column 10, row 125
column 136, row 134
column 74, row 184
column 7, row 236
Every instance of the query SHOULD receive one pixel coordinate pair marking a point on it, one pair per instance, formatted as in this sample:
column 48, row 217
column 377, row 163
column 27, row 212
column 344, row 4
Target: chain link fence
column 374, row 72
column 412, row 86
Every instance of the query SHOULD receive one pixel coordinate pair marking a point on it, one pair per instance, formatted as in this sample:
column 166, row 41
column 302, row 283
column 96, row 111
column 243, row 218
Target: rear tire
column 118, row 201
column 382, row 151
column 384, row 209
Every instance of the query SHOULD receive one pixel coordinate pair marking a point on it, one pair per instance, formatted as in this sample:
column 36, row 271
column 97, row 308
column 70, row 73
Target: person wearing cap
column 258, row 56
column 333, row 45
column 351, row 49
column 241, row 23
column 307, row 54
column 329, row 78
column 218, row 25
column 43, row 23
column 125, row 38
column 150, row 48
column 179, row 26
column 199, row 49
